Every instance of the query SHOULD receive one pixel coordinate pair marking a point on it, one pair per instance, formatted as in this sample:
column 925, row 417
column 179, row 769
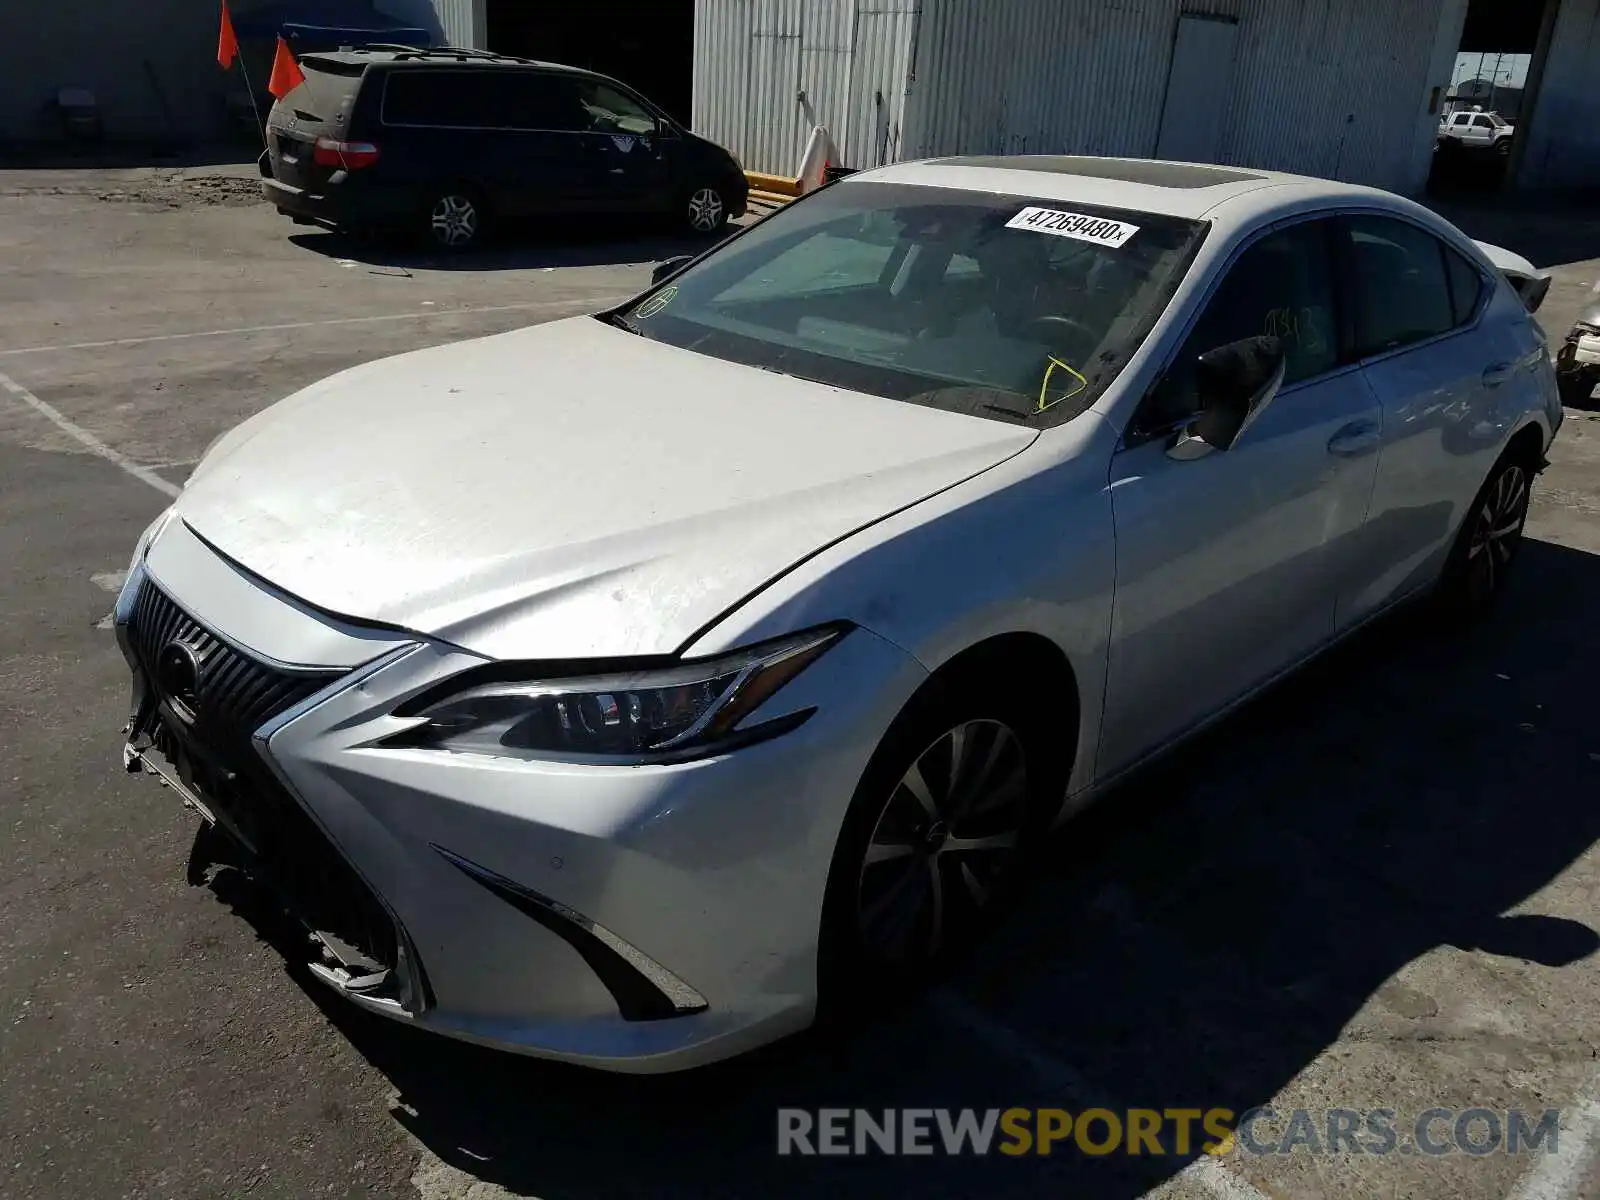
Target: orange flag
column 227, row 43
column 286, row 73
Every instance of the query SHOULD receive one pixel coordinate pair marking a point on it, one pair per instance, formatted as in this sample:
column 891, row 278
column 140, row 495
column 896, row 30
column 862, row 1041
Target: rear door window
column 442, row 99
column 1399, row 286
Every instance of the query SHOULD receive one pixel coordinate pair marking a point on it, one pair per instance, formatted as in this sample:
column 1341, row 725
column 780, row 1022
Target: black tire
column 456, row 218
column 1486, row 545
column 1503, row 147
column 704, row 210
column 895, row 852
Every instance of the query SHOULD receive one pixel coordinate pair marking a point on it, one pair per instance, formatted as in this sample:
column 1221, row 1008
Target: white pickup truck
column 1477, row 131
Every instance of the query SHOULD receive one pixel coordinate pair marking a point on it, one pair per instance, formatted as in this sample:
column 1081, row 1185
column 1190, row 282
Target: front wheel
column 935, row 837
column 705, row 210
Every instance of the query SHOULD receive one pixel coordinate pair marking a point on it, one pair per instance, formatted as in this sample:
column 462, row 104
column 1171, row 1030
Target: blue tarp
column 327, row 23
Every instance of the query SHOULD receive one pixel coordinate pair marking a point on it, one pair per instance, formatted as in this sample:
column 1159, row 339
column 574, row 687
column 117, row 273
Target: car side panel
column 1444, row 427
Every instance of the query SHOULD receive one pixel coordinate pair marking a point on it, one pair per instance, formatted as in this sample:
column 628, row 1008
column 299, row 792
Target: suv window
column 458, row 99
column 1282, row 286
column 611, row 111
column 1399, row 288
column 497, row 99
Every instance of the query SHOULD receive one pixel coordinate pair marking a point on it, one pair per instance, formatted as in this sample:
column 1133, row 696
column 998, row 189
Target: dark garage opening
column 1496, row 33
column 648, row 44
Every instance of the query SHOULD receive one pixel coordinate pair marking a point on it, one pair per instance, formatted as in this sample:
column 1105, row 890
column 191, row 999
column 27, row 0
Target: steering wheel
column 1053, row 325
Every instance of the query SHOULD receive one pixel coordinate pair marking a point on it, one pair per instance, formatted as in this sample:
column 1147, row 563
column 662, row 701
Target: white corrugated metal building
column 1343, row 88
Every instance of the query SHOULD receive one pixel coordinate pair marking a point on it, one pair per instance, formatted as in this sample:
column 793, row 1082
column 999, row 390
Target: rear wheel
column 1486, row 547
column 456, row 219
column 705, row 210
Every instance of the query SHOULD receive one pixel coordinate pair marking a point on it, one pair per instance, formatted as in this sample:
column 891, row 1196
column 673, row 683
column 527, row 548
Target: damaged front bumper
column 633, row 918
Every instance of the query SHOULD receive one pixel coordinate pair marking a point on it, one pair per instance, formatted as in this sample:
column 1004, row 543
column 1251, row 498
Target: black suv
column 448, row 141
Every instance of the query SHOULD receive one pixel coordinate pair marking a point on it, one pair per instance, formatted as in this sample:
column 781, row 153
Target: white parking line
column 1558, row 1176
column 1204, row 1172
column 530, row 306
column 86, row 439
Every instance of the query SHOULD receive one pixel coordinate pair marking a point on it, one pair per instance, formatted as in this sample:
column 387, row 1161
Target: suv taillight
column 331, row 152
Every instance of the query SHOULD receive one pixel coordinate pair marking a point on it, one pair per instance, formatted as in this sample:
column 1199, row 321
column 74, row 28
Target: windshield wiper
column 1025, row 414
column 622, row 322
column 976, row 399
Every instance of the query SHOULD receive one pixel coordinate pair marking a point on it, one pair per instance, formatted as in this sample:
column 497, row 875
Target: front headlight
column 680, row 711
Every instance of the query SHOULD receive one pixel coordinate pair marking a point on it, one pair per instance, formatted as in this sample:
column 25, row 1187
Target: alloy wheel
column 454, row 220
column 948, row 836
column 705, row 210
column 1496, row 530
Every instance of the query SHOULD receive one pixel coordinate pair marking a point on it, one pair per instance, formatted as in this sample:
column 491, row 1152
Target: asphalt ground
column 1375, row 888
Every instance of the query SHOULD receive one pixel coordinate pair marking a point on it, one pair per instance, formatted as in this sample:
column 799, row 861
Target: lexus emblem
column 178, row 677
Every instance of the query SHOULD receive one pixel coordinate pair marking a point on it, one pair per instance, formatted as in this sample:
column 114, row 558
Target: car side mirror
column 1234, row 384
column 670, row 268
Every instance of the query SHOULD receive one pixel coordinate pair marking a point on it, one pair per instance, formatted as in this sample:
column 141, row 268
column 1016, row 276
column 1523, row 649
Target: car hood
column 568, row 490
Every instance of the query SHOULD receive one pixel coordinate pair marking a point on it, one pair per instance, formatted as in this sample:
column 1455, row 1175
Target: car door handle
column 1355, row 438
column 1497, row 374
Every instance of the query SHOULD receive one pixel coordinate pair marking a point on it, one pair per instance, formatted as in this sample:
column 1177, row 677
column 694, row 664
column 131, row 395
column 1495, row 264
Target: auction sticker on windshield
column 1099, row 230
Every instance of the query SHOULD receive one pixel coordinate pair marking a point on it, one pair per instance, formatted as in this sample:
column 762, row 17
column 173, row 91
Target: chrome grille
column 236, row 694
column 208, row 738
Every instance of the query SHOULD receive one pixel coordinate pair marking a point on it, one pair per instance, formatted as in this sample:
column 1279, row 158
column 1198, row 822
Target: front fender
column 1026, row 547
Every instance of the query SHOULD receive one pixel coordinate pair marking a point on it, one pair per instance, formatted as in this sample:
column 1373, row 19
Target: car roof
column 437, row 56
column 1191, row 190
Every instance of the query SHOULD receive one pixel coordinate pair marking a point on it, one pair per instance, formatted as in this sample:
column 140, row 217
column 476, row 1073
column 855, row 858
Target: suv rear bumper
column 337, row 205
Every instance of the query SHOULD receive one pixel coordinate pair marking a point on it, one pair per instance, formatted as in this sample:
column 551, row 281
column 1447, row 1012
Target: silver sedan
column 630, row 689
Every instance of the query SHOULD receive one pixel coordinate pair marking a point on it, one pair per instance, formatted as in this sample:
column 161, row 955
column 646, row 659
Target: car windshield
column 1000, row 306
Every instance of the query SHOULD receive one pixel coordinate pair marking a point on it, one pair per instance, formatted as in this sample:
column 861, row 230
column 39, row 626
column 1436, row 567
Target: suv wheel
column 706, row 211
column 456, row 219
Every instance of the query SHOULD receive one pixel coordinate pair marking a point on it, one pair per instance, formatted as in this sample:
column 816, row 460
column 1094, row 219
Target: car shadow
column 1196, row 939
column 569, row 244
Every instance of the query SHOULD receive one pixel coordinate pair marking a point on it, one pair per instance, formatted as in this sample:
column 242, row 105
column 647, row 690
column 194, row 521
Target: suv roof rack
column 397, row 47
column 457, row 52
